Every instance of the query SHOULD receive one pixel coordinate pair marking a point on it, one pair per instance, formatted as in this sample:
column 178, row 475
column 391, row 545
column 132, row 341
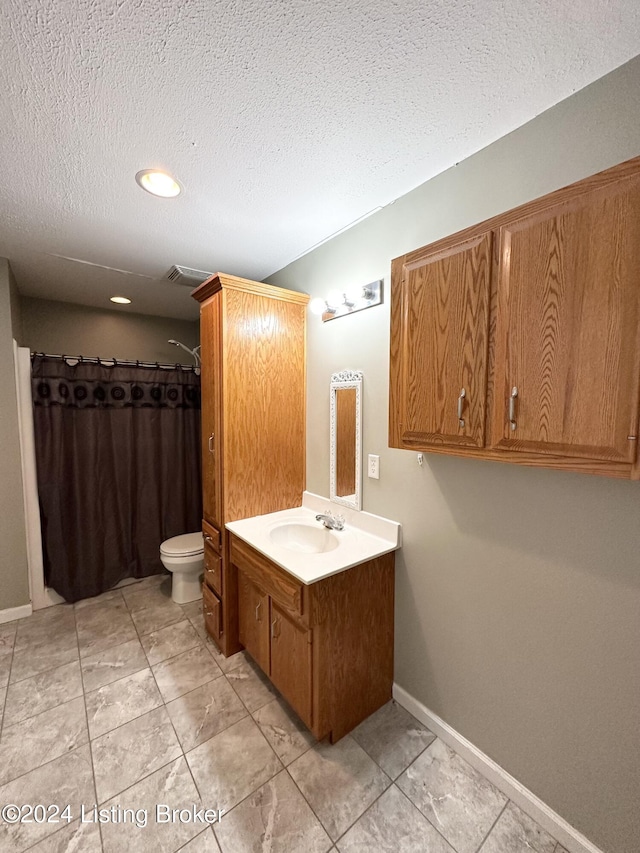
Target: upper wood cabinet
column 439, row 344
column 567, row 327
column 537, row 314
column 253, row 339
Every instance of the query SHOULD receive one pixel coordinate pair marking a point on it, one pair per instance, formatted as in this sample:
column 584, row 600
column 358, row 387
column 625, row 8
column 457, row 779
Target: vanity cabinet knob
column 258, row 605
column 273, row 630
column 211, row 448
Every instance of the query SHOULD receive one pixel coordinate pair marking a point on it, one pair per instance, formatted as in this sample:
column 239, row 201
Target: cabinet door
column 211, row 371
column 439, row 345
column 253, row 621
column 291, row 662
column 567, row 321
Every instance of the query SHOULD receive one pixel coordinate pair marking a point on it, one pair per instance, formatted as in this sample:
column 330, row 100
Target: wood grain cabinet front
column 332, row 658
column 533, row 320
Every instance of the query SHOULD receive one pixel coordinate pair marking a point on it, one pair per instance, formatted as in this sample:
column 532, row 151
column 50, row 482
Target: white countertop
column 365, row 536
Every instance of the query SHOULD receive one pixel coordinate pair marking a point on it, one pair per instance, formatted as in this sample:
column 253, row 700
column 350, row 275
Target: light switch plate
column 374, row 467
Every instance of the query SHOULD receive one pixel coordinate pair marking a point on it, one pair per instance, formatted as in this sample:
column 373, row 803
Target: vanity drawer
column 282, row 587
column 211, row 536
column 212, row 609
column 212, row 568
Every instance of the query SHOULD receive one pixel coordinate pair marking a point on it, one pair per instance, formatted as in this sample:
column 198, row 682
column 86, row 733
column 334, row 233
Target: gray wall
column 518, row 590
column 14, row 580
column 67, row 328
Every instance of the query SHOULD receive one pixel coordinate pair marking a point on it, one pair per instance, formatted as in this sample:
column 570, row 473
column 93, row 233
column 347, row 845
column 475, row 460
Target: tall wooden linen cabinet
column 253, row 339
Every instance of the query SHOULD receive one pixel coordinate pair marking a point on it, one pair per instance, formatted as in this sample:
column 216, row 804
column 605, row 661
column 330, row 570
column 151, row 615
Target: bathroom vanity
column 315, row 610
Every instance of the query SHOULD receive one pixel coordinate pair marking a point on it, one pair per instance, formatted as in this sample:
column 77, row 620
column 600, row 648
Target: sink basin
column 303, row 538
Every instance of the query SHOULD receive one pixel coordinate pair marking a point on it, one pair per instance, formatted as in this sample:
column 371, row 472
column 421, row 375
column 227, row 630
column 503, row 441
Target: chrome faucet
column 331, row 522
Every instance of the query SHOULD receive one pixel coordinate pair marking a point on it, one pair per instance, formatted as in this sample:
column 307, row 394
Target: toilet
column 184, row 557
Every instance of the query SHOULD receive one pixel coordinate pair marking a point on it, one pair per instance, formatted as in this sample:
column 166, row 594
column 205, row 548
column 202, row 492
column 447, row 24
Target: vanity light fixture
column 121, row 300
column 158, row 183
column 339, row 303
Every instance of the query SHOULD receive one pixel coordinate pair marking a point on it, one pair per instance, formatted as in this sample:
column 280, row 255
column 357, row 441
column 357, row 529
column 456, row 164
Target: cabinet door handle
column 211, row 448
column 258, row 605
column 208, row 538
column 273, row 630
column 512, row 407
column 463, row 394
column 208, row 613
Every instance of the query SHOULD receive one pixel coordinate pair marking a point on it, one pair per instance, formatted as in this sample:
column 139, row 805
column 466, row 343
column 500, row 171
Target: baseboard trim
column 12, row 613
column 570, row 838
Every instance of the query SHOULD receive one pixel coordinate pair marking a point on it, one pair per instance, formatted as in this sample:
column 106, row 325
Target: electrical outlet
column 374, row 467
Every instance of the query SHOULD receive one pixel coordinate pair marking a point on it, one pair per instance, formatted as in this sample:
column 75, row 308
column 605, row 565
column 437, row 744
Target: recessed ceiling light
column 158, row 183
column 121, row 300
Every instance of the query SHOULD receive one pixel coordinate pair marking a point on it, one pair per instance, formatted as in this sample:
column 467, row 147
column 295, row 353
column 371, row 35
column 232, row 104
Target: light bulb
column 354, row 293
column 158, row 183
column 317, row 306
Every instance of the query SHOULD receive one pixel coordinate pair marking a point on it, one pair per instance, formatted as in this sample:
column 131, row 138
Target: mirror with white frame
column 346, row 438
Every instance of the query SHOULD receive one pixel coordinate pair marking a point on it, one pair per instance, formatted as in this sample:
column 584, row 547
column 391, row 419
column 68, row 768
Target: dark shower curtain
column 118, row 459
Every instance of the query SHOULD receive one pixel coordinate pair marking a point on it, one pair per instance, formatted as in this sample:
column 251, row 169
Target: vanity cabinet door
column 439, row 345
column 567, row 327
column 210, row 322
column 291, row 662
column 253, row 620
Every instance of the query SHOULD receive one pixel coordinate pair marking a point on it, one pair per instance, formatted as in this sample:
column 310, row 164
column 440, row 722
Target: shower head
column 193, row 352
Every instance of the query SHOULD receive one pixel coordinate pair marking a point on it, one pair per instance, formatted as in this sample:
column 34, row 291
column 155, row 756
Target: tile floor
column 121, row 701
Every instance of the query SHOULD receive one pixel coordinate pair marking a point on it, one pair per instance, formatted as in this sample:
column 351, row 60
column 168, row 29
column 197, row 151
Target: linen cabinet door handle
column 273, row 630
column 258, row 605
column 461, row 398
column 211, row 437
column 512, row 407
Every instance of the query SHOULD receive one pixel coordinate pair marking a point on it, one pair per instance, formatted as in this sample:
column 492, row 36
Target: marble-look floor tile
column 142, row 596
column 5, row 669
column 77, row 837
column 102, row 626
column 173, row 786
column 112, row 596
column 203, row 843
column 127, row 754
column 44, row 657
column 45, row 625
column 112, row 664
column 287, row 734
column 393, row 825
column 169, row 642
column 560, row 849
column 121, row 701
column 7, row 637
column 225, row 664
column 43, row 691
column 67, row 780
column 35, row 741
column 516, row 832
column 339, row 781
column 205, row 712
column 185, row 672
column 251, row 685
column 276, row 818
column 458, row 801
column 393, row 738
column 193, row 610
column 158, row 616
column 231, row 765
column 3, row 693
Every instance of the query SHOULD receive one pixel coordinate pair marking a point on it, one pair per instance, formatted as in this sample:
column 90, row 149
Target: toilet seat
column 185, row 545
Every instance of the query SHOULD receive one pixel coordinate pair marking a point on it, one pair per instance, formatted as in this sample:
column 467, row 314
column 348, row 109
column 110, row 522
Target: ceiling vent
column 185, row 275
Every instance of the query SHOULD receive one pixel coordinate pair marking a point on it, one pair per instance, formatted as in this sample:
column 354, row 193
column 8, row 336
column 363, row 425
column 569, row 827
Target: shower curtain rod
column 114, row 362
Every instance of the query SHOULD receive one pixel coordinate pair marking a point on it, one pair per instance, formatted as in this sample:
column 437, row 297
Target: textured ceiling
column 285, row 121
